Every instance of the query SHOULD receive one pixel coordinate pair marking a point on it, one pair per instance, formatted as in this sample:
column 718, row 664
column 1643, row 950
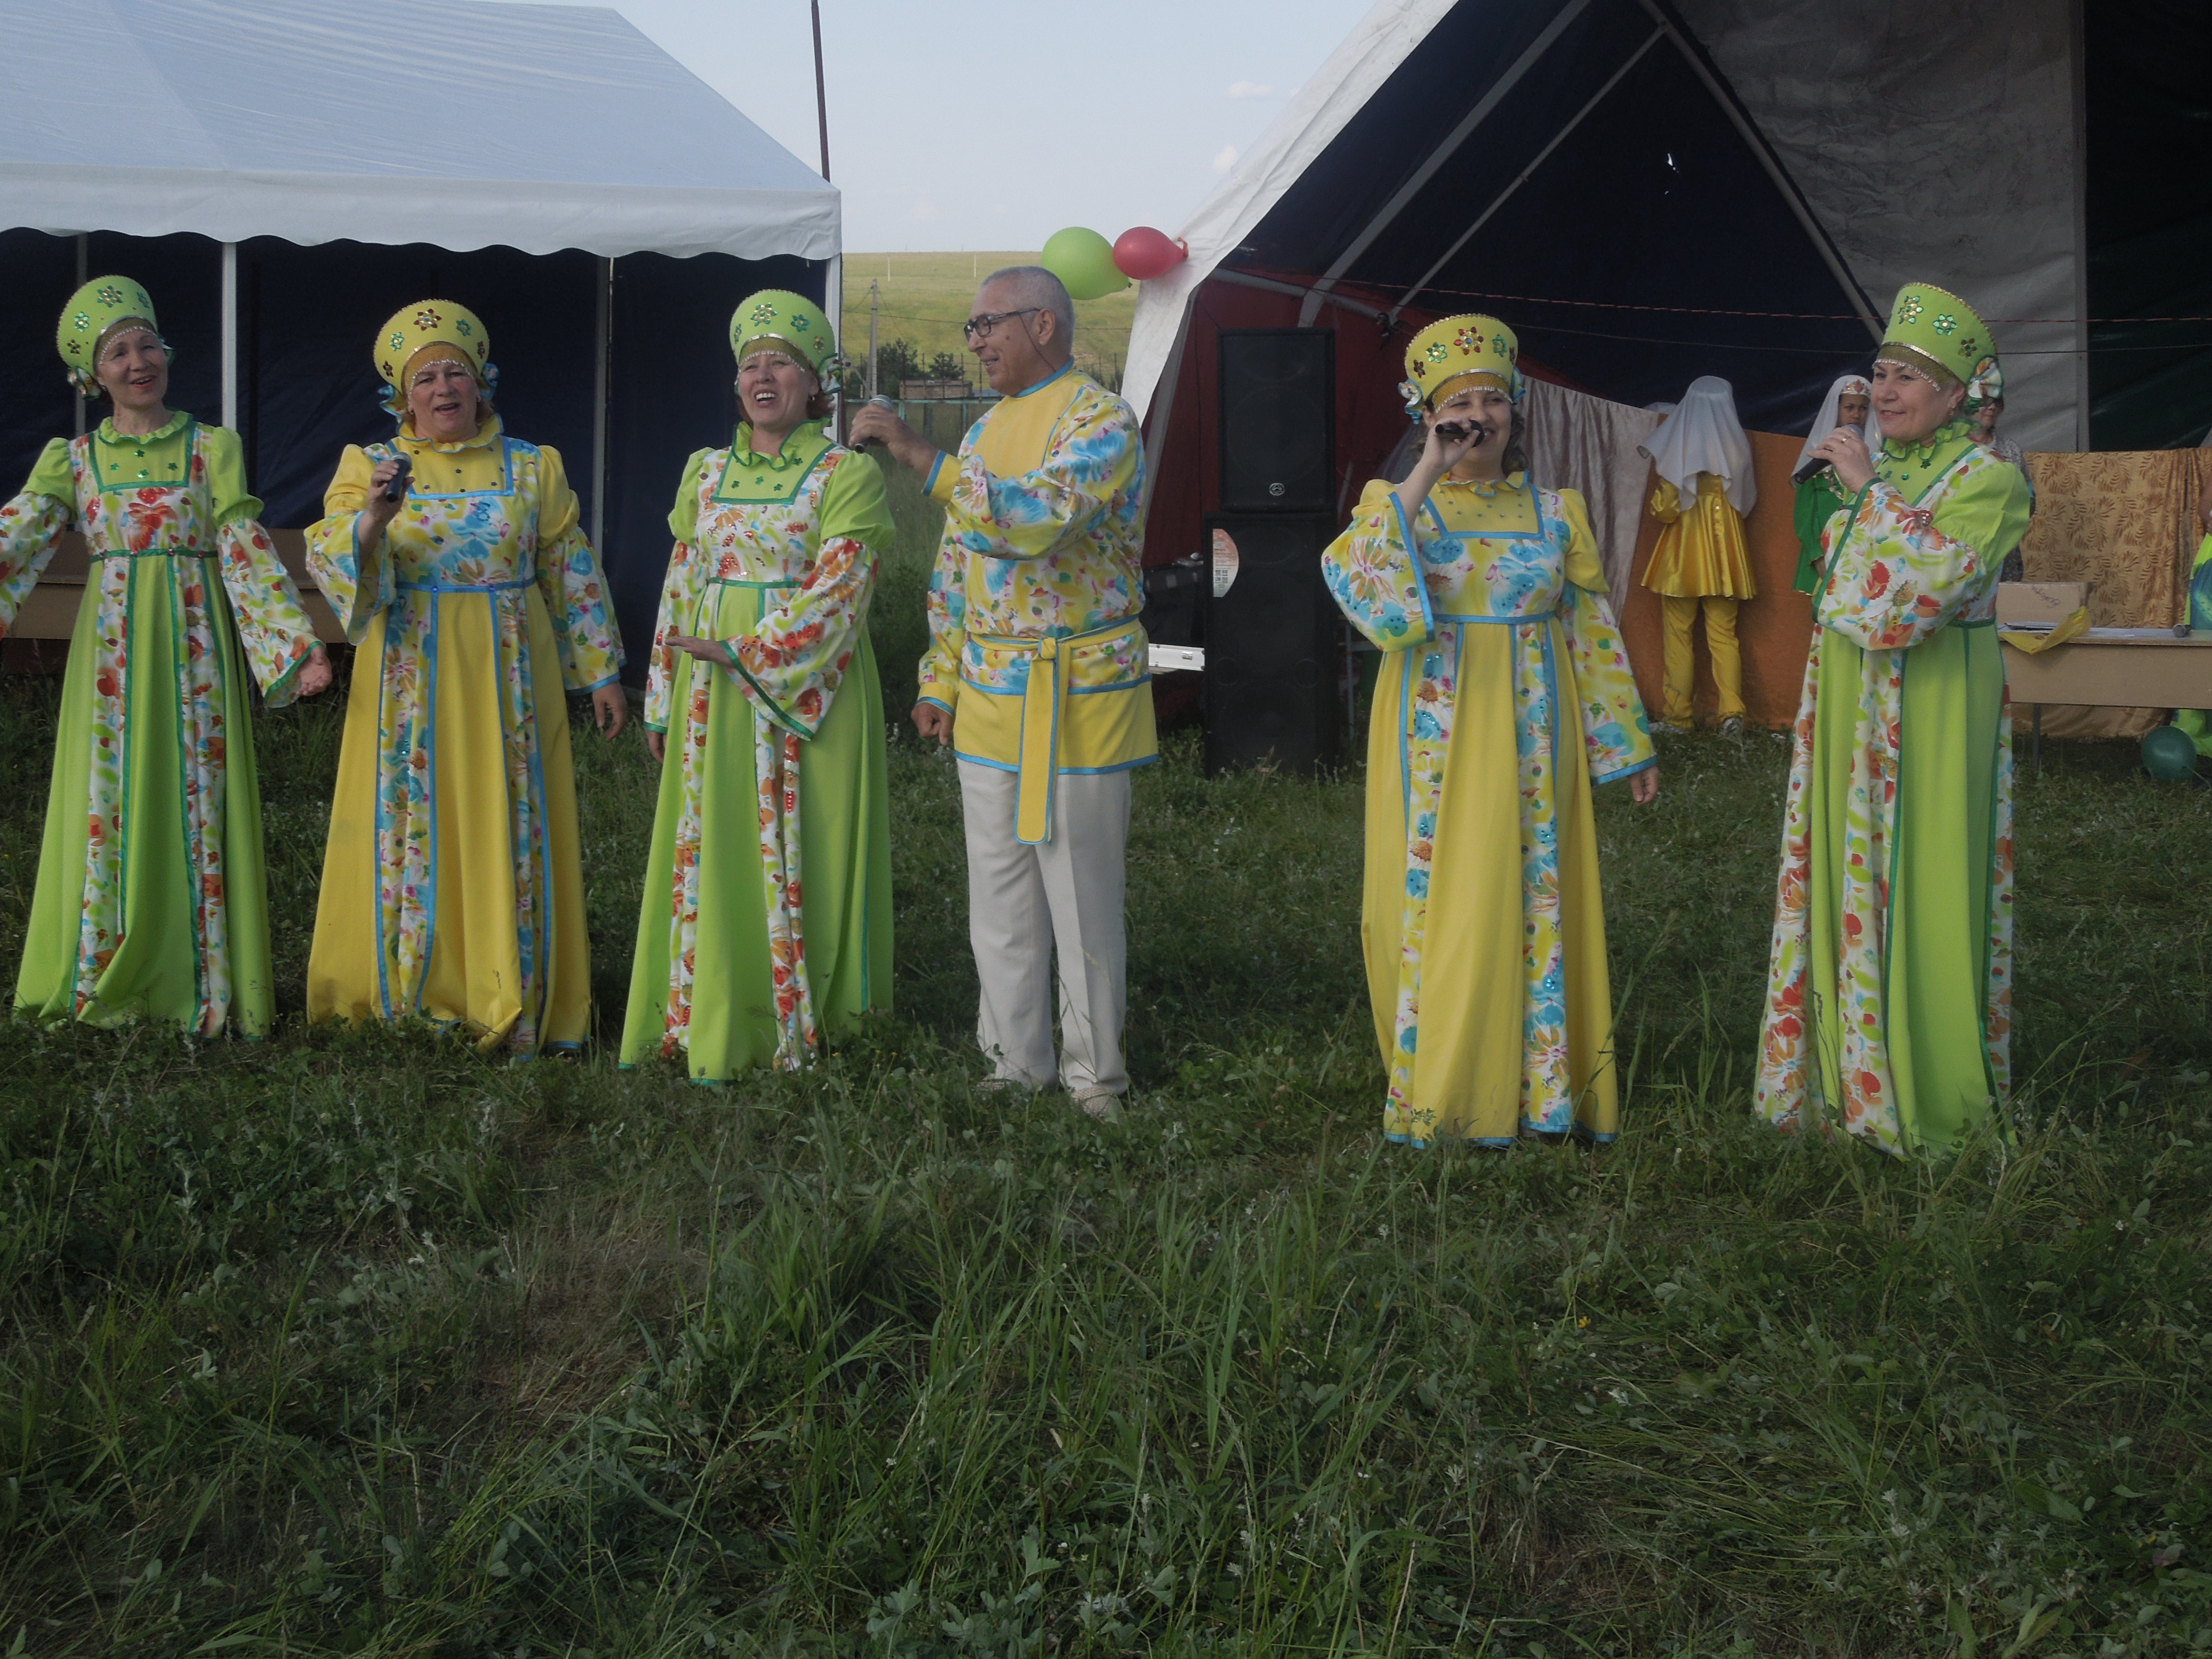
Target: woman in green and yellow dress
column 1505, row 695
column 453, row 883
column 1889, row 995
column 151, row 897
column 767, row 920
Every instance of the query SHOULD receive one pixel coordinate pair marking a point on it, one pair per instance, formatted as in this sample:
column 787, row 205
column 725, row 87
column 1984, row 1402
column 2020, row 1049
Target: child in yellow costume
column 1705, row 488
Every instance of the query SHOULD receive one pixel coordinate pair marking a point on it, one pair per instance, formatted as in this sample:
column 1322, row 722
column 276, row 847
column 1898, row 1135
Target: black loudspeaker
column 1275, row 645
column 1277, row 420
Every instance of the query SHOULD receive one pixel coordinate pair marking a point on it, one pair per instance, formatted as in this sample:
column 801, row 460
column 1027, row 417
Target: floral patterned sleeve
column 31, row 526
column 795, row 657
column 1898, row 573
column 575, row 587
column 680, row 593
column 273, row 629
column 939, row 674
column 1096, row 458
column 1374, row 572
column 1616, row 737
column 358, row 586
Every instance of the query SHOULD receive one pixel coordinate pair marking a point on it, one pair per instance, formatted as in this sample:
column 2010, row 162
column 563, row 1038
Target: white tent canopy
column 452, row 122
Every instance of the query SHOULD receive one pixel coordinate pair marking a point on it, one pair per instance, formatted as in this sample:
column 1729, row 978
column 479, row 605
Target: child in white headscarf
column 1705, row 487
column 1850, row 402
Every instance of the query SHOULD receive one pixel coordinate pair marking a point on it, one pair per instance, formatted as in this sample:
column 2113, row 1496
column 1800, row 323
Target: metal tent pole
column 602, row 357
column 230, row 335
column 83, row 276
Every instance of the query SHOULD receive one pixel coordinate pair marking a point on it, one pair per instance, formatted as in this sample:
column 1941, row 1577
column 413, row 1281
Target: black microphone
column 1456, row 430
column 397, row 489
column 1815, row 466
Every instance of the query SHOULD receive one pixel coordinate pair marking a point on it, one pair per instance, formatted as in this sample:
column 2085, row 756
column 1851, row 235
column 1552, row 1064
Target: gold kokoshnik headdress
column 1454, row 352
column 433, row 330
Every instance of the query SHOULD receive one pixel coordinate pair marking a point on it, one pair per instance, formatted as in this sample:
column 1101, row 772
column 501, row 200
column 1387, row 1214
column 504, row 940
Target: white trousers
column 1027, row 904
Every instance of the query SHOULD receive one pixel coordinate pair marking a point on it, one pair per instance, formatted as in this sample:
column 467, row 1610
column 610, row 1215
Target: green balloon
column 2168, row 754
column 1084, row 261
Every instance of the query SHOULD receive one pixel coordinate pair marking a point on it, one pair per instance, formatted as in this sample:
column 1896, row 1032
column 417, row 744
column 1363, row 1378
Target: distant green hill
column 923, row 298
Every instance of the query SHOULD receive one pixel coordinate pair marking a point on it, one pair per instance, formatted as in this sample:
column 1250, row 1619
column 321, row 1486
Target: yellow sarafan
column 453, row 886
column 1504, row 694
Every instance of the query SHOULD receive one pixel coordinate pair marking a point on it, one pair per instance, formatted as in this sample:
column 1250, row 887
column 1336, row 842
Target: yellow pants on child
column 1680, row 615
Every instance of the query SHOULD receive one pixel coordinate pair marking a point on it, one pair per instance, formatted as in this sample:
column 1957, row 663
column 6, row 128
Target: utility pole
column 821, row 91
column 873, row 296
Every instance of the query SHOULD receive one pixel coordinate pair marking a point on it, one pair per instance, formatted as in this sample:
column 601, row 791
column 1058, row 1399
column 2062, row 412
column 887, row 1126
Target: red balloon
column 1144, row 254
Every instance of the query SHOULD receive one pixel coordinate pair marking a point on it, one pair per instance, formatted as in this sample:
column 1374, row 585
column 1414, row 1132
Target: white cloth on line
column 1704, row 435
column 1825, row 421
column 1028, row 904
column 1576, row 441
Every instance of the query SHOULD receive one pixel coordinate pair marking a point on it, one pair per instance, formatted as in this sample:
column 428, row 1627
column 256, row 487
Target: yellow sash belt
column 1043, row 700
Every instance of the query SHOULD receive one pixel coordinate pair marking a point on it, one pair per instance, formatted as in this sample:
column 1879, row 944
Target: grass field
column 357, row 1343
column 925, row 297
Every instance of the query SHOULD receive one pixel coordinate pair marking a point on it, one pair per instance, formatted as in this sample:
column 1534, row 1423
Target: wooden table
column 2114, row 668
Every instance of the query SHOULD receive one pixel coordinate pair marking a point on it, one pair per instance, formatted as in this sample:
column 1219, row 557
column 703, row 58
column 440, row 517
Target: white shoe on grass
column 1101, row 1105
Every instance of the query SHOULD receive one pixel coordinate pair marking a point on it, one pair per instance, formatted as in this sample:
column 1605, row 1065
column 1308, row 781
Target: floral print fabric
column 1052, row 550
column 1420, row 588
column 1896, row 579
column 198, row 523
column 814, row 552
column 504, row 548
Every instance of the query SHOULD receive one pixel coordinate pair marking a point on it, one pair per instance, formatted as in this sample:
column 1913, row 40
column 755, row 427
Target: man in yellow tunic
column 1505, row 695
column 1037, row 675
column 1705, row 487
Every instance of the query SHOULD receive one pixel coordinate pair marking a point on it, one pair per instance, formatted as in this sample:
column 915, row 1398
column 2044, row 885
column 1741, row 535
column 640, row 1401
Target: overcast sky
column 991, row 123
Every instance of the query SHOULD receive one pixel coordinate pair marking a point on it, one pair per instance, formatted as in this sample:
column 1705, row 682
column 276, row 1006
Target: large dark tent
column 1650, row 192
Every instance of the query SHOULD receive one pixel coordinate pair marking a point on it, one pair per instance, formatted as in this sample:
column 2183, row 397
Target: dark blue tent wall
column 2149, row 220
column 307, row 386
column 1654, row 195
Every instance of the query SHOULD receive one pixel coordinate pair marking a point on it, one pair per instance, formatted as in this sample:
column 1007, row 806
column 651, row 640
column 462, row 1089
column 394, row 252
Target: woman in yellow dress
column 453, row 886
column 1505, row 695
column 1705, row 487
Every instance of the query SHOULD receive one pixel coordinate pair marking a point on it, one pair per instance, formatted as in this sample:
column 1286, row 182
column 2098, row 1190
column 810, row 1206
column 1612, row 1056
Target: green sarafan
column 358, row 1342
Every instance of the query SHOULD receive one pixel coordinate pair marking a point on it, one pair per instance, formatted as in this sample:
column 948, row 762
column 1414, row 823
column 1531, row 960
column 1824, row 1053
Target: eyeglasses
column 979, row 326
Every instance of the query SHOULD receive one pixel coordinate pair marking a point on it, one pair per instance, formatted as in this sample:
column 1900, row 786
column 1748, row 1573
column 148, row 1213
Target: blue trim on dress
column 929, row 484
column 430, row 780
column 1624, row 772
column 1420, row 576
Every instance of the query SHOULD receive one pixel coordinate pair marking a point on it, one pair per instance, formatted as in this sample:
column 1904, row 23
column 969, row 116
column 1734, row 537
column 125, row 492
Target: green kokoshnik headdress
column 95, row 312
column 792, row 321
column 1934, row 333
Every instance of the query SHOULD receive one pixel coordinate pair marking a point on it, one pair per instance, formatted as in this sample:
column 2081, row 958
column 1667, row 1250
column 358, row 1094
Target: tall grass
column 356, row 1342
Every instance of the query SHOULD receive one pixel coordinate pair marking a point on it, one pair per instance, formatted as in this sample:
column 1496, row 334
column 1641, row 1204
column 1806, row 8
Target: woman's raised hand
column 376, row 512
column 1847, row 452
